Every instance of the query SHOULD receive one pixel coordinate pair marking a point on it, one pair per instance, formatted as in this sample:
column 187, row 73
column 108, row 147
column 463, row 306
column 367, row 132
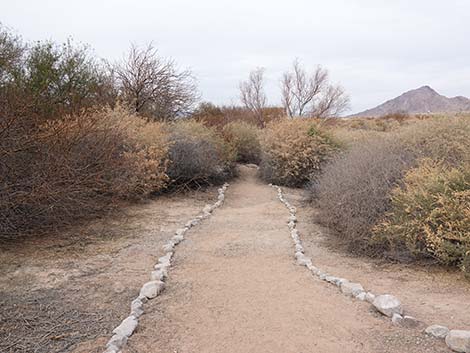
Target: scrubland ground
column 60, row 291
column 234, row 285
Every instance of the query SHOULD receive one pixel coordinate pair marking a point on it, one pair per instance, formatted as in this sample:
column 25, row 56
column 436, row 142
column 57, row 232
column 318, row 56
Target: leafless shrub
column 153, row 86
column 312, row 95
column 252, row 95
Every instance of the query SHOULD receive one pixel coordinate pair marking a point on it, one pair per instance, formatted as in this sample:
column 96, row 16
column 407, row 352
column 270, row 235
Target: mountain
column 421, row 100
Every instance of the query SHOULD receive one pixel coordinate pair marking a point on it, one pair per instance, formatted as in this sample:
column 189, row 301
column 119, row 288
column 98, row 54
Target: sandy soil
column 233, row 286
column 70, row 290
column 433, row 294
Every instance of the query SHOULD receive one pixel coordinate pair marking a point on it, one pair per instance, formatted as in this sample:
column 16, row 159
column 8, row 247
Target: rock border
column 386, row 304
column 156, row 285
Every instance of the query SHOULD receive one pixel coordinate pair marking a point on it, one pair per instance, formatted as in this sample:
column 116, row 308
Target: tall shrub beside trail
column 244, row 139
column 198, row 155
column 430, row 215
column 294, row 151
column 74, row 168
column 355, row 191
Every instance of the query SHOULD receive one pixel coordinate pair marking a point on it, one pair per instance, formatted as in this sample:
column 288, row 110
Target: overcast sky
column 376, row 49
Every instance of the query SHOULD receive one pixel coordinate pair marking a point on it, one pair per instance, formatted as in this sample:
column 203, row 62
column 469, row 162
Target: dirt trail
column 234, row 287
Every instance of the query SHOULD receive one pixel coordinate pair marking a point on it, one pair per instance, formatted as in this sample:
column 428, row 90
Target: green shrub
column 430, row 214
column 244, row 139
column 294, row 150
column 198, row 155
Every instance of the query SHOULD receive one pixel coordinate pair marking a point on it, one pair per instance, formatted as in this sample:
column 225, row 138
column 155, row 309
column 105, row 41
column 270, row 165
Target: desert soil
column 233, row 287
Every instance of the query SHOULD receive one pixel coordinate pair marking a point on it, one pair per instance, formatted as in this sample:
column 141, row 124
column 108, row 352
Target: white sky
column 376, row 49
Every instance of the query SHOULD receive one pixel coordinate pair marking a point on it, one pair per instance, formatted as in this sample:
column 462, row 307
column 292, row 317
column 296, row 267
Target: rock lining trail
column 235, row 287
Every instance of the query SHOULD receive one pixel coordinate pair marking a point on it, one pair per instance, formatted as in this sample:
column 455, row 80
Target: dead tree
column 252, row 94
column 311, row 95
column 153, row 86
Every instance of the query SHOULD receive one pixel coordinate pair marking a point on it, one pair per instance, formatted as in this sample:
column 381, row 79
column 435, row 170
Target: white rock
column 177, row 239
column 437, row 331
column 143, row 299
column 322, row 275
column 127, row 327
column 169, row 246
column 157, row 275
column 165, row 259
column 302, row 260
column 370, row 297
column 181, row 231
column 361, row 296
column 331, row 279
column 292, row 218
column 137, row 308
column 351, row 289
column 458, row 341
column 311, row 267
column 397, row 318
column 116, row 343
column 163, row 268
column 299, row 248
column 388, row 305
column 340, row 281
column 152, row 289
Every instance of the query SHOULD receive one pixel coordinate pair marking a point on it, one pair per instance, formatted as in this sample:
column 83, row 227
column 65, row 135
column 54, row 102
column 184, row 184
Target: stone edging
column 156, row 284
column 386, row 304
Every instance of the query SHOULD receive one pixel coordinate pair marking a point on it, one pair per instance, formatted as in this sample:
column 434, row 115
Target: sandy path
column 234, row 287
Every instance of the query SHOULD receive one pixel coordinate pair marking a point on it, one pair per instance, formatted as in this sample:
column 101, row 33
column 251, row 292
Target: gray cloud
column 375, row 48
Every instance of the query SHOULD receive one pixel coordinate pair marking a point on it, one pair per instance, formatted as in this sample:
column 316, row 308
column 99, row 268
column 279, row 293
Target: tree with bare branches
column 252, row 94
column 153, row 86
column 311, row 95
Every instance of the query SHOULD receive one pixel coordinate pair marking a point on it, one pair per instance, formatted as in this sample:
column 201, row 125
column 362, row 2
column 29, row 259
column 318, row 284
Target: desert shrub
column 430, row 214
column 198, row 155
column 244, row 139
column 293, row 151
column 354, row 191
column 76, row 167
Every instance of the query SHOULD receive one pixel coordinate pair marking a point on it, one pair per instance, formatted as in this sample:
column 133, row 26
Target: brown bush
column 198, row 154
column 354, row 191
column 430, row 214
column 294, row 150
column 244, row 139
column 57, row 172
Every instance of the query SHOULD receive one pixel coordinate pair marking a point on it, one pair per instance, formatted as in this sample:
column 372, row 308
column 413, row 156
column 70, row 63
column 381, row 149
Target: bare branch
column 153, row 86
column 252, row 94
column 306, row 94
